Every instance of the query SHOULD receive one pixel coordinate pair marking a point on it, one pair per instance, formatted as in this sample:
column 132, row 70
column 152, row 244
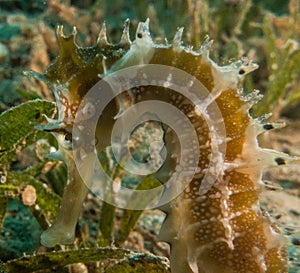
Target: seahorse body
column 211, row 230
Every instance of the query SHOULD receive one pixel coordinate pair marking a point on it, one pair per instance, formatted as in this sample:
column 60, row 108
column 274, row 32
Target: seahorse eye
column 268, row 127
column 140, row 35
column 242, row 72
column 68, row 140
column 280, row 161
column 68, row 137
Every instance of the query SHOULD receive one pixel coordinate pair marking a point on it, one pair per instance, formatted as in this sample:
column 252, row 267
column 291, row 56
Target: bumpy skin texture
column 219, row 230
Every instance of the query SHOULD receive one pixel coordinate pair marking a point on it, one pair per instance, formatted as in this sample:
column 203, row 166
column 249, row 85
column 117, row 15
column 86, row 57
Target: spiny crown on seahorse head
column 219, row 228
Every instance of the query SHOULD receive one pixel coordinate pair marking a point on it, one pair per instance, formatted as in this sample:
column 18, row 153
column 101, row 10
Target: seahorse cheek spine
column 216, row 229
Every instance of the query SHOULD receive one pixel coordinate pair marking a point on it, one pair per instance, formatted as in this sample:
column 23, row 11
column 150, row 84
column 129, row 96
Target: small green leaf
column 294, row 97
column 106, row 224
column 130, row 217
column 17, row 127
column 269, row 34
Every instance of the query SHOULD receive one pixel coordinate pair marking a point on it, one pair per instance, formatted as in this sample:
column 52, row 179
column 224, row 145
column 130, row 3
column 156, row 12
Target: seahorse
column 215, row 224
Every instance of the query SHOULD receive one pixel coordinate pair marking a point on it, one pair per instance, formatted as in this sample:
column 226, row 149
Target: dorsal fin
column 125, row 38
column 177, row 40
column 102, row 37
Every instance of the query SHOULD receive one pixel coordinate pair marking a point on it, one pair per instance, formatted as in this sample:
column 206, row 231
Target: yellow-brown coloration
column 219, row 230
